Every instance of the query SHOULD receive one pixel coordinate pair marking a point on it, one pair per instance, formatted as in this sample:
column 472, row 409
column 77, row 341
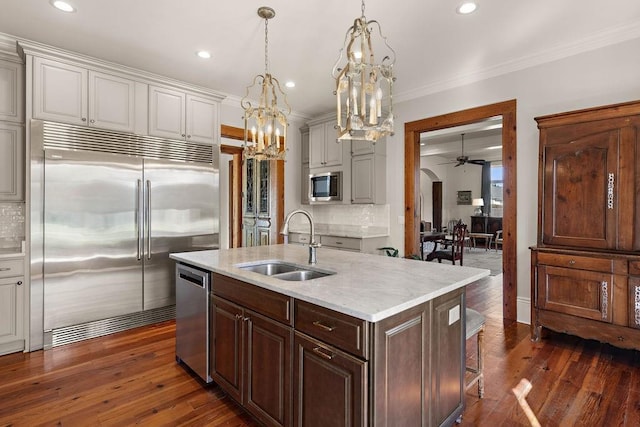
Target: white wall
column 599, row 77
column 462, row 178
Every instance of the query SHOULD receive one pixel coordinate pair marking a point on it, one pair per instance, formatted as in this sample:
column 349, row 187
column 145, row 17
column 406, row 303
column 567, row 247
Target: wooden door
column 268, row 369
column 330, row 386
column 226, row 367
column 436, row 197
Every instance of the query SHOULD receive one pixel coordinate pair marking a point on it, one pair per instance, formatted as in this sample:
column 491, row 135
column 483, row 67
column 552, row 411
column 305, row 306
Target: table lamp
column 478, row 203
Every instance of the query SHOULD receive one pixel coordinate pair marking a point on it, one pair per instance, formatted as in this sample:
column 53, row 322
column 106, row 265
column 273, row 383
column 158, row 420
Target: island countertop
column 369, row 287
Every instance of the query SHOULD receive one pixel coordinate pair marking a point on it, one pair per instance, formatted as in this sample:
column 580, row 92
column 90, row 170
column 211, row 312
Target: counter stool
column 475, row 326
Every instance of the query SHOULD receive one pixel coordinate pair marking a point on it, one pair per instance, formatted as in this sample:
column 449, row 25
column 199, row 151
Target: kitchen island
column 380, row 341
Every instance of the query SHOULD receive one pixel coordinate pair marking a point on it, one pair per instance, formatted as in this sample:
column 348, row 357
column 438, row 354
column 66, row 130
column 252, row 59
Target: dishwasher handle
column 197, row 277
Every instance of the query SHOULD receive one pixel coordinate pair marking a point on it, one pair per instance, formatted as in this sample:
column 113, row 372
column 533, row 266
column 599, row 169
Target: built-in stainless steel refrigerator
column 114, row 205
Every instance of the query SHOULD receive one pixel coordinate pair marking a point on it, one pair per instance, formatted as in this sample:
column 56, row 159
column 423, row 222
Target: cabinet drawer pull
column 319, row 352
column 610, row 187
column 636, row 305
column 572, row 262
column 5, row 268
column 321, row 325
column 604, row 291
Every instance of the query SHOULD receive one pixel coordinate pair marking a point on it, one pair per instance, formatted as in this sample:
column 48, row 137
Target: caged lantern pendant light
column 363, row 87
column 265, row 125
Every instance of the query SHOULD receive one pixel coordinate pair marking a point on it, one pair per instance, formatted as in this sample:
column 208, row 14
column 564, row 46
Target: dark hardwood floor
column 132, row 378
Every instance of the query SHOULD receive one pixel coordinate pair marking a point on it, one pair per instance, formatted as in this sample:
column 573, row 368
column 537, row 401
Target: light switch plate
column 454, row 314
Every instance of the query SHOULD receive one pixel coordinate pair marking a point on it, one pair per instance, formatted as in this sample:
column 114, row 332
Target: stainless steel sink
column 271, row 268
column 286, row 271
column 299, row 275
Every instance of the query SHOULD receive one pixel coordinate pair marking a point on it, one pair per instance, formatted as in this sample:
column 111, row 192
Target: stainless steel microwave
column 325, row 187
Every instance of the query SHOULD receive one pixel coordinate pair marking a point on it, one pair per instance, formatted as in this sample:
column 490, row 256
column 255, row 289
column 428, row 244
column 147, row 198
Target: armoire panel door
column 581, row 195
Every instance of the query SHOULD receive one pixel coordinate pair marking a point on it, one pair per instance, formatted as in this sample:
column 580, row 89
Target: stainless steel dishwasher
column 192, row 319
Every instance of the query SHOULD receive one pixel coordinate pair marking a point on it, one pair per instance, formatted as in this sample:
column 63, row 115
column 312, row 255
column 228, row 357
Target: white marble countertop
column 369, row 287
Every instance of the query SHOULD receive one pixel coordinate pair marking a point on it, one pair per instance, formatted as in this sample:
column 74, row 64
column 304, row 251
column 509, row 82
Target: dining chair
column 456, row 251
column 498, row 239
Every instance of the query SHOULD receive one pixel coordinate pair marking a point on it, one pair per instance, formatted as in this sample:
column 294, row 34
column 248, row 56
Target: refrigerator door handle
column 148, row 219
column 139, row 218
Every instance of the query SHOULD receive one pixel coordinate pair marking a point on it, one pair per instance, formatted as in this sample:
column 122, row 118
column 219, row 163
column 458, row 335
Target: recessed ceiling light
column 290, row 84
column 203, row 54
column 466, row 8
column 63, row 6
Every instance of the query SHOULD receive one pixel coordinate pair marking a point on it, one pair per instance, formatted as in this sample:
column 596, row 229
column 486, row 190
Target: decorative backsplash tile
column 11, row 225
column 355, row 218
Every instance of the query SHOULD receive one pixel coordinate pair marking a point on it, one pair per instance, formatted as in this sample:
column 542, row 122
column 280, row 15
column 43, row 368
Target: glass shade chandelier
column 265, row 124
column 364, row 88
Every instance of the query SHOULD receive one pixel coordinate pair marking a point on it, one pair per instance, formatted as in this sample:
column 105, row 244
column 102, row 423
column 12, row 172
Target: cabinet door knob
column 19, row 283
column 572, row 262
column 84, row 119
column 188, row 136
column 92, row 121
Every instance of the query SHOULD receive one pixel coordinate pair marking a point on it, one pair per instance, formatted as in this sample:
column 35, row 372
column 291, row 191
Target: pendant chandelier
column 265, row 125
column 363, row 87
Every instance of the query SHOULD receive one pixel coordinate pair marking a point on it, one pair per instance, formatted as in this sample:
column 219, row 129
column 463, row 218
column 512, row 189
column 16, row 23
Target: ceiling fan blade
column 477, row 162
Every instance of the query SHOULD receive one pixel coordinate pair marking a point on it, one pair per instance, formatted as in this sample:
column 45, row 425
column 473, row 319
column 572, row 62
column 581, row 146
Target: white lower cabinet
column 11, row 306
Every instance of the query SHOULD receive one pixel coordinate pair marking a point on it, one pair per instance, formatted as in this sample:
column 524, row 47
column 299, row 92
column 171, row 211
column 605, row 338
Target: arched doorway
column 412, row 131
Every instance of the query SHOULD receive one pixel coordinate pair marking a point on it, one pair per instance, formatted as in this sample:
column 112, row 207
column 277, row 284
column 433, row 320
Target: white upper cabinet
column 179, row 115
column 111, row 102
column 67, row 93
column 60, row 92
column 11, row 91
column 11, row 162
column 324, row 151
column 201, row 120
column 167, row 112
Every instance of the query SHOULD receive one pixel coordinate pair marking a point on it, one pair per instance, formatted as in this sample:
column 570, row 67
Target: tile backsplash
column 11, row 224
column 347, row 215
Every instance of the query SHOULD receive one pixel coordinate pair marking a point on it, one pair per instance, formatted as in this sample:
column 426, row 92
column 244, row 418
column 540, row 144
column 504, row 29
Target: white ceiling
column 436, row 47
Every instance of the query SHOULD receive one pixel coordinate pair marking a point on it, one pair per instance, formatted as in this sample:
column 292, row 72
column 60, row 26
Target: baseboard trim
column 523, row 307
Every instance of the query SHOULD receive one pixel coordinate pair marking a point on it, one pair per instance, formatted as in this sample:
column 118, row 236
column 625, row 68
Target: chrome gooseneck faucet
column 312, row 244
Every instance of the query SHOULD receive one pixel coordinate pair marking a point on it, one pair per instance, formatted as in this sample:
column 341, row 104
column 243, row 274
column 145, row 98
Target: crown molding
column 602, row 39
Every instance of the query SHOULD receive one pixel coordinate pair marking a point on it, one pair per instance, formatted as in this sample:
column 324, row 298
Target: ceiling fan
column 462, row 159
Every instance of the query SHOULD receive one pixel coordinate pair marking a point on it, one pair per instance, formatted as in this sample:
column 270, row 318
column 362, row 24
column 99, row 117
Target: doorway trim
column 412, row 131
